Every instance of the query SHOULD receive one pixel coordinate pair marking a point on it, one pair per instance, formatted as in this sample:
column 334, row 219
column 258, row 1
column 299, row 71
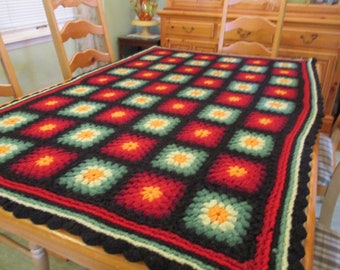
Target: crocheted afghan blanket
column 184, row 160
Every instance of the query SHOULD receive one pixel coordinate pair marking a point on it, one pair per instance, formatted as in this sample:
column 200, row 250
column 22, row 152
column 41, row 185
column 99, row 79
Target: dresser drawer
column 310, row 38
column 190, row 28
column 190, row 44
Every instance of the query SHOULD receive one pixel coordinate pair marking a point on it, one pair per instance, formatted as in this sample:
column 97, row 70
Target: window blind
column 26, row 19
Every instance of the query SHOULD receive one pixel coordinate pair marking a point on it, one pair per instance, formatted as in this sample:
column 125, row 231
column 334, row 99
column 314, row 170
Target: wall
column 36, row 65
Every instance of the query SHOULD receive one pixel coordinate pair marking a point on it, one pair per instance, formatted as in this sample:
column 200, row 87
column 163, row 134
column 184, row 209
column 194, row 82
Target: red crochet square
column 201, row 133
column 208, row 57
column 266, row 121
column 161, row 52
column 161, row 88
column 47, row 128
column 118, row 115
column 178, row 106
column 51, row 103
column 285, row 72
column 109, row 95
column 43, row 162
column 147, row 74
column 237, row 173
column 130, row 147
column 224, row 65
column 138, row 64
column 151, row 195
column 209, row 82
column 172, row 60
column 250, row 77
column 102, row 79
column 281, row 92
column 188, row 69
column 234, row 99
column 256, row 61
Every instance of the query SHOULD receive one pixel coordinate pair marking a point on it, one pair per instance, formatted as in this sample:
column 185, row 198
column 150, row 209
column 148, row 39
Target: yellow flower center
column 284, row 80
column 83, row 108
column 178, row 106
column 103, row 79
column 219, row 214
column 151, row 193
column 80, row 90
column 202, row 133
column 141, row 99
column 118, row 114
column 265, row 121
column 244, row 87
column 208, row 82
column 176, row 77
column 11, row 121
column 4, row 149
column 180, row 158
column 109, row 94
column 129, row 146
column 161, row 88
column 85, row 134
column 234, row 99
column 147, row 74
column 219, row 114
column 281, row 92
column 47, row 127
column 51, row 102
column 252, row 142
column 196, row 93
column 275, row 104
column 236, row 171
column 45, row 161
column 93, row 175
column 156, row 123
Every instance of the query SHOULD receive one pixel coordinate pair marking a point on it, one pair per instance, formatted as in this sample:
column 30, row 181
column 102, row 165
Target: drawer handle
column 243, row 34
column 309, row 40
column 188, row 30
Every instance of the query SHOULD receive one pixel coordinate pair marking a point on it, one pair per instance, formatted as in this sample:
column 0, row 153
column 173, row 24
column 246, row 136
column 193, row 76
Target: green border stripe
column 286, row 221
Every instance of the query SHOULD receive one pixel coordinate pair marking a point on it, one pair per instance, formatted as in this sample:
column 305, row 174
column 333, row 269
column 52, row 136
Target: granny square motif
column 185, row 160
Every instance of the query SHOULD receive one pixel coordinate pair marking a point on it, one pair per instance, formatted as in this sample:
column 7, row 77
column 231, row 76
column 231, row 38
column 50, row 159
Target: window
column 22, row 20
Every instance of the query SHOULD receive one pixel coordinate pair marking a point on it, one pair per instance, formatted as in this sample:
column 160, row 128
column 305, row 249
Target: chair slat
column 247, row 28
column 12, row 87
column 77, row 29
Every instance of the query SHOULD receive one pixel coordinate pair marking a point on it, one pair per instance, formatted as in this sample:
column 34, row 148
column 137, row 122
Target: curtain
column 90, row 41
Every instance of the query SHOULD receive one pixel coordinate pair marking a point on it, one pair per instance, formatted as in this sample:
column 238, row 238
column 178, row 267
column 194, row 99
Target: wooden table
column 100, row 166
column 139, row 43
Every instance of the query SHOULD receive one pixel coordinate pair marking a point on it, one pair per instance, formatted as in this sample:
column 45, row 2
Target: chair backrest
column 253, row 32
column 333, row 189
column 77, row 29
column 11, row 88
column 327, row 146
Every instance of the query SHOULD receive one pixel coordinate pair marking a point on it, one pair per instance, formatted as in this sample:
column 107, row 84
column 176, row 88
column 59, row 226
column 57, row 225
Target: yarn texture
column 185, row 160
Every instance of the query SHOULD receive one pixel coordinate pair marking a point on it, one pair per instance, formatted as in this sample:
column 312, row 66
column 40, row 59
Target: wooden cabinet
column 190, row 4
column 310, row 30
column 191, row 32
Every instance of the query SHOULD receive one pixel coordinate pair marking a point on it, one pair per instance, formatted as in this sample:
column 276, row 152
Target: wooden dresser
column 310, row 30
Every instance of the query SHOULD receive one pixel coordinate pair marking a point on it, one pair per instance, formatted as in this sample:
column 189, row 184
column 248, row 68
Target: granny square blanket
column 184, row 160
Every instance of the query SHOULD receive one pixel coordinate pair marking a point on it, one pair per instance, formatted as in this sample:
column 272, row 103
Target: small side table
column 134, row 41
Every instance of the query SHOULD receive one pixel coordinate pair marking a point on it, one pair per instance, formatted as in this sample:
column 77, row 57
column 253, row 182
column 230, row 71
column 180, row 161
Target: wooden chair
column 327, row 241
column 12, row 87
column 252, row 33
column 328, row 145
column 77, row 29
